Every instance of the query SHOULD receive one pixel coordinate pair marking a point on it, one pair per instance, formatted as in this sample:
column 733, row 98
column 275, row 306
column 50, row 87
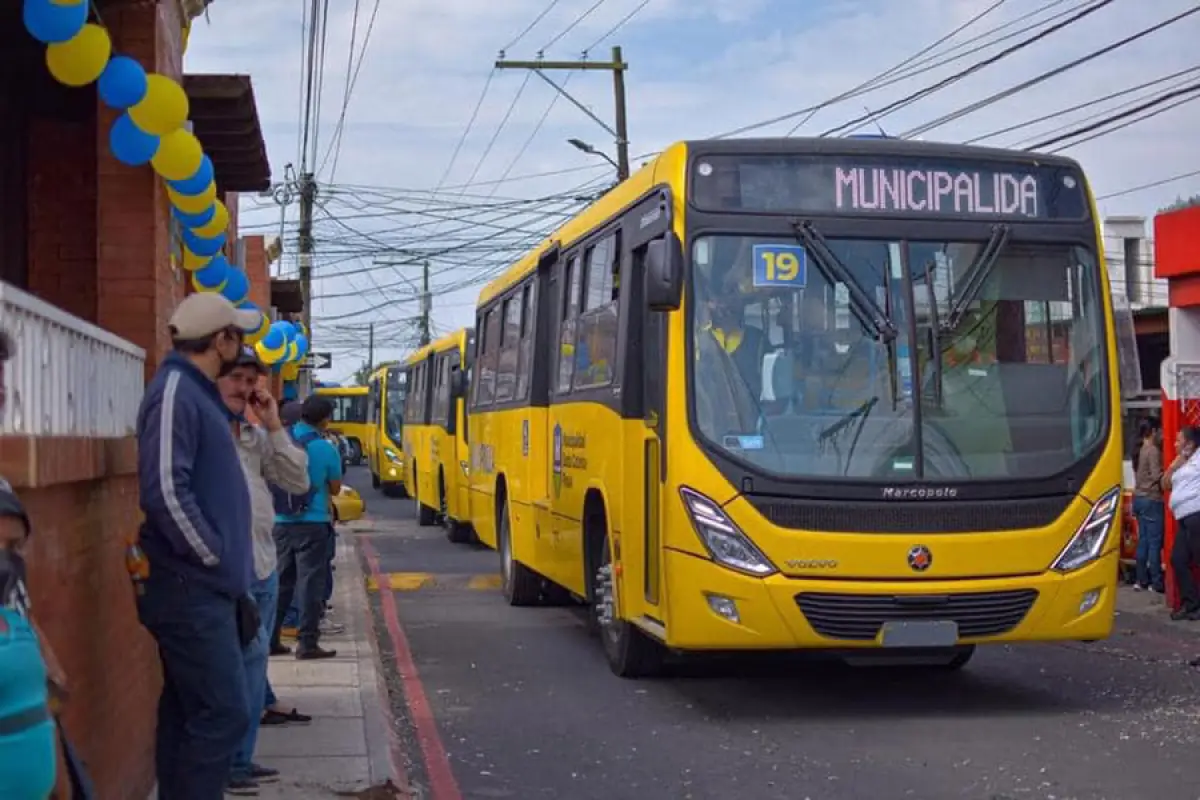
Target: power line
column 500, row 128
column 1151, row 185
column 971, row 70
column 1045, row 76
column 621, row 24
column 893, row 69
column 352, row 71
column 530, row 26
column 920, row 67
column 1079, row 106
column 572, row 26
column 1085, row 129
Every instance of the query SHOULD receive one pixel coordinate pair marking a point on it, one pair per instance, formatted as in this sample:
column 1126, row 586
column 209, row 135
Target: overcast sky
column 697, row 68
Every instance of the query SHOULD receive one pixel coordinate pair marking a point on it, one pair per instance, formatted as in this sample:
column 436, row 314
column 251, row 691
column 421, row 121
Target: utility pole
column 308, row 196
column 617, row 67
column 425, row 304
column 371, row 348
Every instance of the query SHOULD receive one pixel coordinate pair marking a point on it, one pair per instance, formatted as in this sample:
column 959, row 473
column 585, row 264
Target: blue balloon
column 51, row 23
column 247, row 305
column 274, row 339
column 123, row 83
column 301, row 345
column 287, row 329
column 202, row 246
column 214, row 273
column 130, row 144
column 195, row 220
column 198, row 182
column 237, row 286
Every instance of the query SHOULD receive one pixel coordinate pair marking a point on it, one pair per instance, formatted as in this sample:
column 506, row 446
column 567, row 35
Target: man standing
column 196, row 537
column 1148, row 508
column 303, row 539
column 268, row 456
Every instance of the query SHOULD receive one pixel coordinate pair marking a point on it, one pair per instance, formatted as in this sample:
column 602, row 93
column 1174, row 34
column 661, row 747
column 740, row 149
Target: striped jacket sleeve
column 167, row 443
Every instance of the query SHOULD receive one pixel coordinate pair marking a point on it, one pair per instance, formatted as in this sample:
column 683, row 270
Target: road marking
column 416, row 581
column 442, row 784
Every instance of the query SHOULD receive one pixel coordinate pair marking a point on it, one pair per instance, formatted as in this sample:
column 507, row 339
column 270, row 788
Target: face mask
column 12, row 580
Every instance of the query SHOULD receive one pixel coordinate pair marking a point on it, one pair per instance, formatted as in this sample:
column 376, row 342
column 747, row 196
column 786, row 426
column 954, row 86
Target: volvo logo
column 919, row 558
column 814, row 563
column 919, row 492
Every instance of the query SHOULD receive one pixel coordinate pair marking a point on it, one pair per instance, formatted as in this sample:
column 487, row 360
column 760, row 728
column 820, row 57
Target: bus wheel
column 456, row 532
column 630, row 653
column 375, row 482
column 426, row 516
column 522, row 586
column 356, row 453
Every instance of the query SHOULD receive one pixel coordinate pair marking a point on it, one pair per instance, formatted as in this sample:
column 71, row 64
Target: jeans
column 202, row 713
column 303, row 550
column 292, row 617
column 1150, row 522
column 255, row 656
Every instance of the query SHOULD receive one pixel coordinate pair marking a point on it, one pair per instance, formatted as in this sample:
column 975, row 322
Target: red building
column 88, row 279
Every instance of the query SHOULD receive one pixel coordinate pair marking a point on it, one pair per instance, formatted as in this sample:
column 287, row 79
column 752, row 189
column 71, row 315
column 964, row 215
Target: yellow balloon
column 217, row 225
column 290, row 372
column 193, row 262
column 179, row 155
column 80, row 61
column 268, row 355
column 293, row 351
column 193, row 203
column 163, row 109
column 256, row 335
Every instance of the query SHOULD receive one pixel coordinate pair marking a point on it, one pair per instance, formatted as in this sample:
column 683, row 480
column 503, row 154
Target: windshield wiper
column 977, row 275
column 935, row 337
column 869, row 314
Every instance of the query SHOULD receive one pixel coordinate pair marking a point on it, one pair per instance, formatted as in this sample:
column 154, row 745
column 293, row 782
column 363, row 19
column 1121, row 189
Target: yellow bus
column 435, row 433
column 841, row 394
column 350, row 417
column 386, row 389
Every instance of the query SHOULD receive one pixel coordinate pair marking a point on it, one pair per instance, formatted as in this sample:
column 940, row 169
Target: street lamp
column 584, row 147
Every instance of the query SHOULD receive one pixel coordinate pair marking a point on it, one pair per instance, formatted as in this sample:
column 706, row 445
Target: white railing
column 65, row 376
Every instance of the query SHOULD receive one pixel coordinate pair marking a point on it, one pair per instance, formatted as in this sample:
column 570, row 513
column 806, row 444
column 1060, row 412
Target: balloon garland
column 152, row 129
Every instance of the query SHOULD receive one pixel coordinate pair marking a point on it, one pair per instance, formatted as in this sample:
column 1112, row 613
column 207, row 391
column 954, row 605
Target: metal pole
column 622, row 127
column 425, row 304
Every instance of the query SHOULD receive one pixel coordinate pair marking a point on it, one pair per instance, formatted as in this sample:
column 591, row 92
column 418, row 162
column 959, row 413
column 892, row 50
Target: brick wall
column 257, row 271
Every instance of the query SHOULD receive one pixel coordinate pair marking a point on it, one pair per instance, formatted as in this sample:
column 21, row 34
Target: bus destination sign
column 891, row 187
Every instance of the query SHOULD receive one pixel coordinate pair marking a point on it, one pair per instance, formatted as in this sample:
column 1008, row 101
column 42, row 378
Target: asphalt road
column 518, row 703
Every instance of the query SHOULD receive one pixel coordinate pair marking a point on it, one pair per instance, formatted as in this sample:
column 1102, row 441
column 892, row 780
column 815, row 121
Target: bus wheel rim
column 605, row 603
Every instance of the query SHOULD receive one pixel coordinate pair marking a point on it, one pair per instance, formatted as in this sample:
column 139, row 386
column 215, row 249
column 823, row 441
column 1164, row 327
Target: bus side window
column 489, row 356
column 510, row 334
column 568, row 312
column 525, row 361
column 596, row 348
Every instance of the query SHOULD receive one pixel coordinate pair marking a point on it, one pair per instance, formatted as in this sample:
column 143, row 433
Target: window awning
column 225, row 120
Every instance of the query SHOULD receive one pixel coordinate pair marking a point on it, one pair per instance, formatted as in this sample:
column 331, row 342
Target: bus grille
column 859, row 617
column 953, row 516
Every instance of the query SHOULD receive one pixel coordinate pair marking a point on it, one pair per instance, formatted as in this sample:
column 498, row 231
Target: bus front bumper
column 714, row 608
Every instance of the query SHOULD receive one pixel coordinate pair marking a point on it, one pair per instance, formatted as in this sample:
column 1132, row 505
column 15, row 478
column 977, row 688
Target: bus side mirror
column 664, row 273
column 458, row 383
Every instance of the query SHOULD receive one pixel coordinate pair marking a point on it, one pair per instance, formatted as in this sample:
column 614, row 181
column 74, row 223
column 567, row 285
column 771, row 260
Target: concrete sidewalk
column 1152, row 605
column 347, row 747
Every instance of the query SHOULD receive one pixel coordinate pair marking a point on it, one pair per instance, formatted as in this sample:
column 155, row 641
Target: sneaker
column 242, row 787
column 331, row 628
column 314, row 653
column 1140, row 587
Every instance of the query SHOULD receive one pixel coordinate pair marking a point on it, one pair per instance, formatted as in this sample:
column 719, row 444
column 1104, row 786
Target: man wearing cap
column 197, row 540
column 268, row 456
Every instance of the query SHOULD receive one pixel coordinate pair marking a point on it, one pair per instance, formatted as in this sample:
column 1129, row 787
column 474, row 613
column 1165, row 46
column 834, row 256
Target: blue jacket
column 193, row 490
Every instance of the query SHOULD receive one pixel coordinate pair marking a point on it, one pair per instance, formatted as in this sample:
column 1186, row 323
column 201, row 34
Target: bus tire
column 356, row 452
column 521, row 585
column 375, row 482
column 630, row 652
column 456, row 532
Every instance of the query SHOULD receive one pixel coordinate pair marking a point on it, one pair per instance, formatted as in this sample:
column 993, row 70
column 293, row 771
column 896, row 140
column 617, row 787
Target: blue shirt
column 324, row 465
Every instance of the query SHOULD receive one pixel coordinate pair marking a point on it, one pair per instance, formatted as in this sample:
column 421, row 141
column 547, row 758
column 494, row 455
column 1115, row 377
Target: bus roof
column 672, row 160
column 451, row 340
column 337, row 391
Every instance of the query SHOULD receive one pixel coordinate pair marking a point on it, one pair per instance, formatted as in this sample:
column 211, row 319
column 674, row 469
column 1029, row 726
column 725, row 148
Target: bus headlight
column 727, row 545
column 391, row 454
column 1088, row 542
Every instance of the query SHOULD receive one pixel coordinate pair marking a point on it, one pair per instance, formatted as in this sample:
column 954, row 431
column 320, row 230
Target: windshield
column 790, row 374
